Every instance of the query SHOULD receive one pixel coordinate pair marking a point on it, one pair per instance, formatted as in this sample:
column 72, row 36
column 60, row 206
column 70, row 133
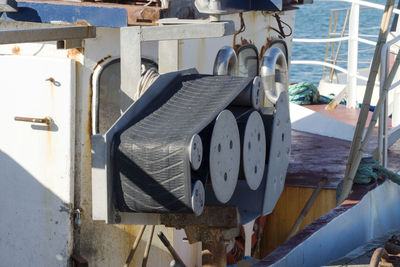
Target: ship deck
column 315, row 156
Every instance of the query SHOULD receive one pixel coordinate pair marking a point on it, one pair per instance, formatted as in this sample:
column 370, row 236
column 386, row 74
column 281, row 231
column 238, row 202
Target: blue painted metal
column 265, row 5
column 46, row 12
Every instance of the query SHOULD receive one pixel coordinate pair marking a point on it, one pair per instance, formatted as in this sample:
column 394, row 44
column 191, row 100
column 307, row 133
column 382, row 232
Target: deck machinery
column 188, row 129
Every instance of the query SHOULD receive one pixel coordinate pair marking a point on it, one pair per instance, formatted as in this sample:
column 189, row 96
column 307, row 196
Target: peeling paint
column 76, row 54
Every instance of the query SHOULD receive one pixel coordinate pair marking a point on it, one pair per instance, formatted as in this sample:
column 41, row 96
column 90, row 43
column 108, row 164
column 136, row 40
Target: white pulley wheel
column 195, row 152
column 256, row 93
column 224, row 156
column 198, row 197
column 254, row 150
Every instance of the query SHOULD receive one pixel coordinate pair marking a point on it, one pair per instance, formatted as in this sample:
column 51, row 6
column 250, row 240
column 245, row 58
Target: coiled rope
column 303, row 93
column 370, row 171
column 147, row 78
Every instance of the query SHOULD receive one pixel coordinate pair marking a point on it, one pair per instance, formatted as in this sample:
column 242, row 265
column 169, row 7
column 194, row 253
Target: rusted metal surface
column 136, row 14
column 214, row 250
column 140, row 15
column 213, row 228
column 212, row 216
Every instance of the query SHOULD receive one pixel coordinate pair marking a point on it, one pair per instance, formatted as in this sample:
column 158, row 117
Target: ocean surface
column 312, row 21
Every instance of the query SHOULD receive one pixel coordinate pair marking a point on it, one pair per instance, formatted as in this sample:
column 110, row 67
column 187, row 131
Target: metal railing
column 386, row 136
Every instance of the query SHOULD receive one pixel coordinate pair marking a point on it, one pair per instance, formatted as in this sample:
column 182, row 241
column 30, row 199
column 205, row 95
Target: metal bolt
column 45, row 120
column 77, row 219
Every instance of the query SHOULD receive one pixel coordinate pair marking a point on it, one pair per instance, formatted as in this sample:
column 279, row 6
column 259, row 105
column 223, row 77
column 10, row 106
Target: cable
column 281, row 31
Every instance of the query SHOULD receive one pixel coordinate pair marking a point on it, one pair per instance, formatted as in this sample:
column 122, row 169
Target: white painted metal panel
column 36, row 161
column 369, row 219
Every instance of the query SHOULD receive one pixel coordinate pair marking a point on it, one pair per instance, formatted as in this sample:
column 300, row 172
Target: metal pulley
column 274, row 74
column 226, row 62
column 224, row 156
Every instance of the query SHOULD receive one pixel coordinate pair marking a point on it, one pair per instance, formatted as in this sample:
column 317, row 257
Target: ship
column 126, row 119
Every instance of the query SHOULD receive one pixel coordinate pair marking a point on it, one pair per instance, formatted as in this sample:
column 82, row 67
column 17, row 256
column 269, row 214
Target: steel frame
column 12, row 32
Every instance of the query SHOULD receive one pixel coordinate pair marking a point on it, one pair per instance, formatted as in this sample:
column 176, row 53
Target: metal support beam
column 188, row 31
column 353, row 54
column 131, row 38
column 23, row 32
column 130, row 64
column 169, row 61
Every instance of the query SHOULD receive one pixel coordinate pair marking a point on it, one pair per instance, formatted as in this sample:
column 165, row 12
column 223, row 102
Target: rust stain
column 265, row 47
column 75, row 54
column 16, row 50
column 102, row 61
column 136, row 14
column 82, row 23
column 244, row 41
column 89, row 124
column 331, row 105
column 51, row 82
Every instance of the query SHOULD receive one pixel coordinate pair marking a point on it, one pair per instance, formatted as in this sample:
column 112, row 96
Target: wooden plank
column 289, row 206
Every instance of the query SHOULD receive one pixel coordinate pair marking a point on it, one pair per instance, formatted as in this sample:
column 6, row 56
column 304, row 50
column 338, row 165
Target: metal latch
column 45, row 120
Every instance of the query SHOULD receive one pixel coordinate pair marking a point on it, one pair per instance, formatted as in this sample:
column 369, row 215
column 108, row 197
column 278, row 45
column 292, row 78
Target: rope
column 147, row 78
column 370, row 171
column 303, row 93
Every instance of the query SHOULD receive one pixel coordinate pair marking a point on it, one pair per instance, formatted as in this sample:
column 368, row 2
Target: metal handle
column 45, row 120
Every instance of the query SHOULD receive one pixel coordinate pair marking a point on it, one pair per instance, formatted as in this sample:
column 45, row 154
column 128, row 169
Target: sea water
column 312, row 21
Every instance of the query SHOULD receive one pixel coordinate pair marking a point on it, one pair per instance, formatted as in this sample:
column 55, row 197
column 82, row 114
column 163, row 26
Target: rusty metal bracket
column 214, row 220
column 213, row 228
column 45, row 120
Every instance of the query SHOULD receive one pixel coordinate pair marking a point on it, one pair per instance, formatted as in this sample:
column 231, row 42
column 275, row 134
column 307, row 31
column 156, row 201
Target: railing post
column 382, row 125
column 353, row 56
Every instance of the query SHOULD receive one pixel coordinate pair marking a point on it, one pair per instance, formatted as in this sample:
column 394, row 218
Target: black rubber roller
column 153, row 158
